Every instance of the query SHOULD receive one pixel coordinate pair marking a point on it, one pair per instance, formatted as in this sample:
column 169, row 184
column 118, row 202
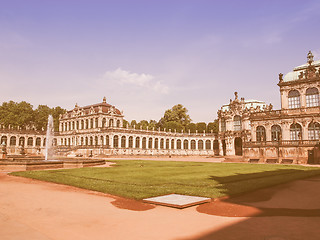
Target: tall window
column 123, row 141
column 313, row 131
column 200, row 145
column 193, row 144
column 223, row 125
column 261, row 134
column 185, row 144
column 275, row 133
column 137, row 142
column 178, row 144
column 312, row 97
column 295, row 131
column 294, row 99
column 237, row 123
column 130, row 142
column 156, row 143
column 115, row 141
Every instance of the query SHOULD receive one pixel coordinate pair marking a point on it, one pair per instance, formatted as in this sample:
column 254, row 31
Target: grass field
column 140, row 179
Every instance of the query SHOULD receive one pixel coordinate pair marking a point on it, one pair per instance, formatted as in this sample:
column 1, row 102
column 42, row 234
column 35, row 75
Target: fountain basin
column 14, row 166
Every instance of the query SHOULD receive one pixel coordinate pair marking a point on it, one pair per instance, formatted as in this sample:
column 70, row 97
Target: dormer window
column 237, row 123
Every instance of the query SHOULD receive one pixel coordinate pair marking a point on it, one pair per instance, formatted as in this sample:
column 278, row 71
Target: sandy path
column 31, row 209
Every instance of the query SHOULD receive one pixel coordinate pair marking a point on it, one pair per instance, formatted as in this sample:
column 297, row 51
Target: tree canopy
column 22, row 116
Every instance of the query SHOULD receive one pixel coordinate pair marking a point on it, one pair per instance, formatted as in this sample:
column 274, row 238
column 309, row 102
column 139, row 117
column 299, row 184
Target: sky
column 146, row 56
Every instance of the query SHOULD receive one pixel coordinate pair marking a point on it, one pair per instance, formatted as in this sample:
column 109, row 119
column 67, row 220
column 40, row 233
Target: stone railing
column 283, row 143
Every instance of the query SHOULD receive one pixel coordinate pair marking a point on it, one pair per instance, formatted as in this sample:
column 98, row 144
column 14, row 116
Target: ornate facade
column 286, row 135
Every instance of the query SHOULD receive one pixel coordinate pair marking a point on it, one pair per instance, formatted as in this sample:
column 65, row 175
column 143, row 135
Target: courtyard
column 33, row 209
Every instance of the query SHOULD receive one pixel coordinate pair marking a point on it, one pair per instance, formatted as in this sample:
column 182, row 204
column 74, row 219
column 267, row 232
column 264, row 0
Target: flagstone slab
column 177, row 200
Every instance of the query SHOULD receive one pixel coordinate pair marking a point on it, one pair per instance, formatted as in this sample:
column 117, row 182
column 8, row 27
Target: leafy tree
column 41, row 117
column 201, row 127
column 173, row 126
column 178, row 114
column 133, row 123
column 192, row 127
column 214, row 126
column 56, row 112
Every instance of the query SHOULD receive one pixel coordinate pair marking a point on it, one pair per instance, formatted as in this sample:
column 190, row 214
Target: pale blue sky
column 146, row 56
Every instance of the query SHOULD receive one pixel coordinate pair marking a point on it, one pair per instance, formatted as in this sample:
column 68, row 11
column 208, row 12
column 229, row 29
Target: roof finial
column 236, row 95
column 310, row 57
column 104, row 100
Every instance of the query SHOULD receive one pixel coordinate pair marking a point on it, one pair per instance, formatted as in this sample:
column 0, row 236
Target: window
column 144, row 143
column 178, row 144
column 208, row 145
column 200, row 145
column 150, row 143
column 261, row 134
column 115, row 141
column 130, row 142
column 30, row 141
column 156, row 143
column 172, row 144
column 137, row 142
column 13, row 141
column 161, row 143
column 295, row 131
column 275, row 133
column 312, row 97
column 223, row 125
column 123, row 141
column 193, row 144
column 294, row 99
column 237, row 123
column 313, row 131
column 185, row 144
column 38, row 141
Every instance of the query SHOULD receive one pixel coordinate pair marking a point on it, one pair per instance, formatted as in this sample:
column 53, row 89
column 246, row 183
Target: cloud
column 141, row 80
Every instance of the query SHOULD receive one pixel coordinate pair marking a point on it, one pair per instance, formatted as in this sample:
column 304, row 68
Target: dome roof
column 294, row 75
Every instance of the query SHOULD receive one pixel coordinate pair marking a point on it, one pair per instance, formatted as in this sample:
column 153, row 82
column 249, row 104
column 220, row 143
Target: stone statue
column 280, row 77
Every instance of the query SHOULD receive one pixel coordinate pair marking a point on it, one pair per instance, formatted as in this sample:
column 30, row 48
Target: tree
column 56, row 112
column 192, row 127
column 201, row 127
column 41, row 117
column 178, row 114
column 214, row 126
column 173, row 126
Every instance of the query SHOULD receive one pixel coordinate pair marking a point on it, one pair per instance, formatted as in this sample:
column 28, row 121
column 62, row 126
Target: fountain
column 49, row 138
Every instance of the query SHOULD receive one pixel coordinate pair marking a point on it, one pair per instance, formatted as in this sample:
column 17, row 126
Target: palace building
column 251, row 129
column 290, row 134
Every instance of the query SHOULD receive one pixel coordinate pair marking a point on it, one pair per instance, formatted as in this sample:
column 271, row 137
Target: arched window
column 295, row 131
column 86, row 143
column 261, row 134
column 223, row 124
column 78, row 125
column 91, row 141
column 81, row 140
column 111, row 123
column 118, row 123
column 150, row 143
column 178, row 144
column 13, row 141
column 275, row 133
column 30, row 141
column 96, row 140
column 104, row 122
column 156, row 143
column 91, row 123
column 313, row 131
column 87, row 123
column 161, row 143
column 4, row 140
column 130, row 142
column 167, row 144
column 237, row 123
column 107, row 140
column 123, row 141
column 172, row 144
column 312, row 97
column 208, row 145
column 137, row 142
column 38, row 141
column 101, row 140
column 21, row 141
column 200, row 145
column 193, row 144
column 144, row 143
column 82, row 124
column 115, row 141
column 294, row 99
column 54, row 142
column 97, row 123
column 185, row 144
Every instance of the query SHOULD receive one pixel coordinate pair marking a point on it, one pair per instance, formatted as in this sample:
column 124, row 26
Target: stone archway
column 238, row 146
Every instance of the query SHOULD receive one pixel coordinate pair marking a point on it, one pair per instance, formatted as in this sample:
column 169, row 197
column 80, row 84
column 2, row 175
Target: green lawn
column 140, row 179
